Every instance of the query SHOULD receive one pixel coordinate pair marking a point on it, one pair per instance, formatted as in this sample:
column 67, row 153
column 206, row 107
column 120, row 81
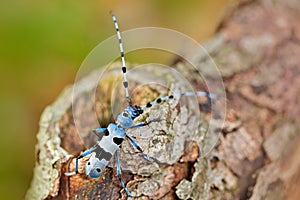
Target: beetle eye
column 125, row 114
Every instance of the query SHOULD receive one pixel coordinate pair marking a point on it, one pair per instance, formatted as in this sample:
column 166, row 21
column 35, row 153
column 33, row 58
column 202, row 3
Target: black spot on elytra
column 106, row 132
column 102, row 154
column 117, row 140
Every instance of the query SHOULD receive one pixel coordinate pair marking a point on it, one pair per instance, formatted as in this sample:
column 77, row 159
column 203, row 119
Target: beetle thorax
column 124, row 120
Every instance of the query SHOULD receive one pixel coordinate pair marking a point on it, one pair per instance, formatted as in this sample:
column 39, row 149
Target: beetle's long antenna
column 125, row 82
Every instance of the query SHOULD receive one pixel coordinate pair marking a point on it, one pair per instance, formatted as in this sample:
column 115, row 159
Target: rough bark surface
column 257, row 48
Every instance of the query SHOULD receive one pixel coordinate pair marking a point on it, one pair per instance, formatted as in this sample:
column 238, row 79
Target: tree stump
column 256, row 48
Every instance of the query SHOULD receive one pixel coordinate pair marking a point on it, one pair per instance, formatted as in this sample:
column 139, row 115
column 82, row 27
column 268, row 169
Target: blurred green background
column 42, row 44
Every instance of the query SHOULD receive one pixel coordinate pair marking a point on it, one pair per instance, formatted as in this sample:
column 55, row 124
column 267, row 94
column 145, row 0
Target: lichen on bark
column 165, row 139
column 257, row 50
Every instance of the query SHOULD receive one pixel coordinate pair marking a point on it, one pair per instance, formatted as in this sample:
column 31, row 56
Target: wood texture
column 257, row 49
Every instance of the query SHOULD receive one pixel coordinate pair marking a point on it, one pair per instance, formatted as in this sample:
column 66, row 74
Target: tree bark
column 257, row 48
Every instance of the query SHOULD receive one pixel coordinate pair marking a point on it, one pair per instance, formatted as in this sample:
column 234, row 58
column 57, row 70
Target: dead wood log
column 257, row 49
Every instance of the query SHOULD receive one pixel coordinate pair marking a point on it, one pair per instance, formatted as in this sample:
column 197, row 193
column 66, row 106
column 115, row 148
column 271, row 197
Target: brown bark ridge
column 256, row 48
